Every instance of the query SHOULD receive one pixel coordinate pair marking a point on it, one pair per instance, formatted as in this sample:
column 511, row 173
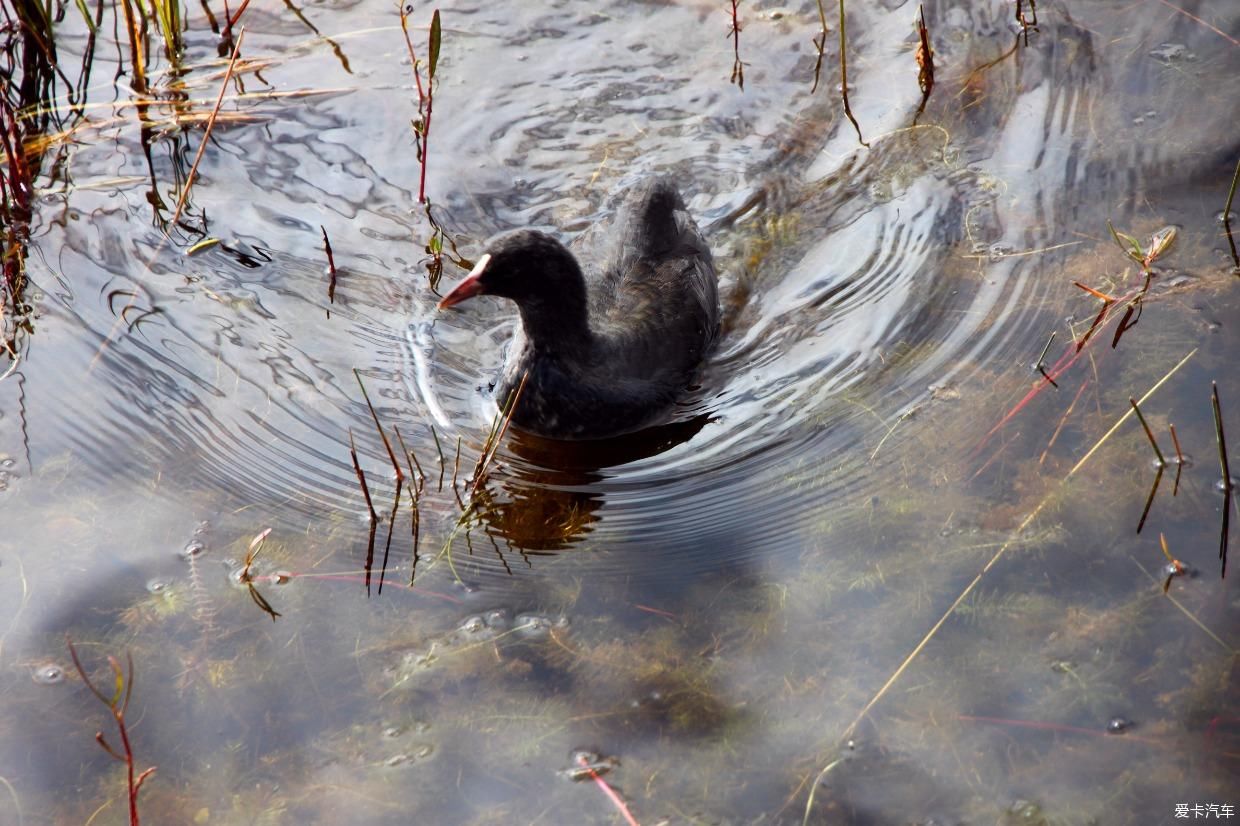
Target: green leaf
column 1131, row 246
column 118, row 677
column 434, row 47
column 1161, row 241
column 90, row 22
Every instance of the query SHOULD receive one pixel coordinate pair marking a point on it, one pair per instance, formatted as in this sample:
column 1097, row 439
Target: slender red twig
column 1037, row 724
column 118, row 705
column 607, row 790
column 426, row 92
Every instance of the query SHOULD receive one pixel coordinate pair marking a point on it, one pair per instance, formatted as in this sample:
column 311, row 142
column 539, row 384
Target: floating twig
column 118, row 706
column 1222, row 460
column 1040, row 365
column 331, row 268
column 1148, row 433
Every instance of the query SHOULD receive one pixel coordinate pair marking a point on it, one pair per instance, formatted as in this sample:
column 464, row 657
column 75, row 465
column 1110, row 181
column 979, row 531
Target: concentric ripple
column 855, row 279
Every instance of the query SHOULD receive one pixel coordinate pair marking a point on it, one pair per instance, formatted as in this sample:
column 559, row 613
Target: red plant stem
column 426, row 138
column 133, row 787
column 1060, row 367
column 1037, row 724
column 233, row 18
column 425, row 102
column 1093, row 292
column 609, row 791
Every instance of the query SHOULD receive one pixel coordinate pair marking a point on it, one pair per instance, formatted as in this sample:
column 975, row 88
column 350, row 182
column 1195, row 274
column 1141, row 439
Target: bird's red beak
column 470, row 287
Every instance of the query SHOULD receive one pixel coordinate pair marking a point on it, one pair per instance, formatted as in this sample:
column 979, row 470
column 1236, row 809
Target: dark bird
column 607, row 351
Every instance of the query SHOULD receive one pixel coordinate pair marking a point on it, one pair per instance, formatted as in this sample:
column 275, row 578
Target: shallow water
column 866, row 575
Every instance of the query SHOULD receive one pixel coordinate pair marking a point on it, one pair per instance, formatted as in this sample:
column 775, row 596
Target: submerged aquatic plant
column 247, row 577
column 118, row 706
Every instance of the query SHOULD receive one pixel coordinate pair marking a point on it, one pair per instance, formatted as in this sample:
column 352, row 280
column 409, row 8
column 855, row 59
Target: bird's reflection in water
column 550, row 499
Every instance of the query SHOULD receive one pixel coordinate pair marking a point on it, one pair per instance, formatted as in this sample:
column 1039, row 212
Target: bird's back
column 657, row 300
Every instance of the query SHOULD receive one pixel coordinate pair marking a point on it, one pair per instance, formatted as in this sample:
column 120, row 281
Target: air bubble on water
column 586, row 765
column 533, row 625
column 193, row 549
column 1116, row 725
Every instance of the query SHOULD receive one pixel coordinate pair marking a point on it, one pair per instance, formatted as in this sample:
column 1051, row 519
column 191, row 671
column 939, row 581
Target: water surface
column 877, row 569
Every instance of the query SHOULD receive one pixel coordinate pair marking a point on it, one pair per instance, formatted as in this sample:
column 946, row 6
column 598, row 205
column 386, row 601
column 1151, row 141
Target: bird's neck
column 558, row 320
column 562, row 328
